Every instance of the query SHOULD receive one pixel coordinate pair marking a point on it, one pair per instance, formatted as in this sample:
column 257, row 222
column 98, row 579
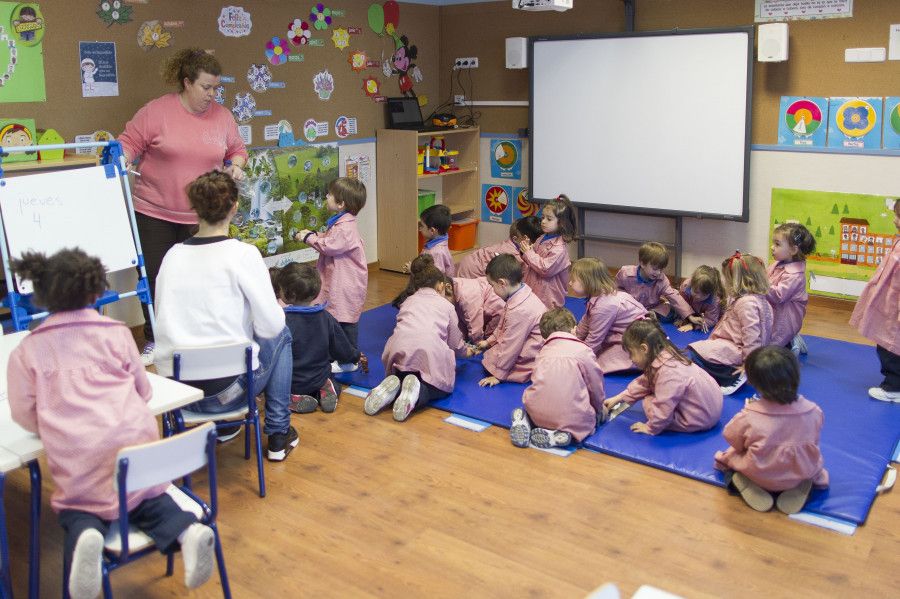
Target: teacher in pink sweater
column 174, row 139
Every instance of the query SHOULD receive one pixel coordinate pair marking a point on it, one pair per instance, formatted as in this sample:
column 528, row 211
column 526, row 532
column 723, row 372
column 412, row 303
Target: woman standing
column 174, row 139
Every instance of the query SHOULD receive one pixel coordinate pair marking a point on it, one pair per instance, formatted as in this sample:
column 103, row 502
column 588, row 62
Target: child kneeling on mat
column 775, row 438
column 566, row 391
column 422, row 350
column 678, row 395
column 79, row 380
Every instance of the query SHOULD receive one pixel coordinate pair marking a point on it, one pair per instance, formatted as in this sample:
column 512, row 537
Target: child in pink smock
column 478, row 307
column 648, row 284
column 791, row 244
column 566, row 391
column 342, row 259
column 473, row 265
column 607, row 315
column 745, row 325
column 877, row 316
column 510, row 351
column 706, row 296
column 420, row 356
column 547, row 260
column 78, row 382
column 678, row 395
column 775, row 439
column 434, row 222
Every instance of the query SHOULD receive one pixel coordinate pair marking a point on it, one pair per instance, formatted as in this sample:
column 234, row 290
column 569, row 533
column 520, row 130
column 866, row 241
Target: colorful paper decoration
column 803, row 121
column 243, row 107
column 506, row 158
column 891, row 132
column 277, row 50
column 151, row 35
column 384, row 18
column 114, row 11
column 299, row 33
column 357, row 60
column 50, row 137
column 341, row 38
column 22, row 70
column 854, row 123
column 522, row 206
column 345, row 126
column 259, row 77
column 371, row 86
column 323, row 85
column 320, row 16
column 495, row 205
column 234, row 21
column 27, row 23
column 17, row 132
column 402, row 64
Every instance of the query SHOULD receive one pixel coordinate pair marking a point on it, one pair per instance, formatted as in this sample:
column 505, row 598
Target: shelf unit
column 398, row 185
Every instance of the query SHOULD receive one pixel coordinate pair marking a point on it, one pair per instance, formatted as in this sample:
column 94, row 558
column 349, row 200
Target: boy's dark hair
column 212, row 196
column 428, row 276
column 556, row 320
column 67, row 280
column 504, row 266
column 774, row 372
column 436, row 217
column 298, row 283
column 419, row 263
column 189, row 63
column 654, row 254
column 529, row 226
column 647, row 330
column 349, row 191
column 565, row 213
column 273, row 278
column 799, row 236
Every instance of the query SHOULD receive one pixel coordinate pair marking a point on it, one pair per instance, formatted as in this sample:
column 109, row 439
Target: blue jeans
column 273, row 376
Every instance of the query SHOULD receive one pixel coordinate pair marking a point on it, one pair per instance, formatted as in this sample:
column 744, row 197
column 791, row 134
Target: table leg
column 5, row 572
column 34, row 562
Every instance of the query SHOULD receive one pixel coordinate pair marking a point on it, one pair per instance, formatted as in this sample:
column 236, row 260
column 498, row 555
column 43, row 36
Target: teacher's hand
column 236, row 172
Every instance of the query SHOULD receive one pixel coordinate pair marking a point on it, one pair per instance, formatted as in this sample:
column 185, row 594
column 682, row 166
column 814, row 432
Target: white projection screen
column 650, row 123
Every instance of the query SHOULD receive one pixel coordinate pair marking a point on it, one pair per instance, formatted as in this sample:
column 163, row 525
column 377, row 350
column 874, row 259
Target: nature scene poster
column 284, row 193
column 853, row 232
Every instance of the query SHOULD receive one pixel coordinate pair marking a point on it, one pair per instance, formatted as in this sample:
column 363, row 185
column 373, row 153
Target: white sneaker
column 733, row 387
column 543, row 438
column 409, row 397
column 382, row 395
column 198, row 552
column 147, row 353
column 337, row 368
column 882, row 395
column 520, row 429
column 85, row 574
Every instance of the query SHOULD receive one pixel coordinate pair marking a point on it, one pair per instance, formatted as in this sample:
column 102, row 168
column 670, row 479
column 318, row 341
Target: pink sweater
column 515, row 343
column 709, row 308
column 877, row 312
column 651, row 293
column 604, row 322
column 343, row 269
column 477, row 306
column 746, row 325
column 787, row 294
column 548, row 269
column 475, row 263
column 175, row 147
column 440, row 251
column 78, row 382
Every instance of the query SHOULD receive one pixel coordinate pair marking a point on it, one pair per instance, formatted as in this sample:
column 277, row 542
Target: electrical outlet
column 459, row 99
column 468, row 62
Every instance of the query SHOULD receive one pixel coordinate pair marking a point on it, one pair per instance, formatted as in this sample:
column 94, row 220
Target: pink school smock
column 603, row 324
column 475, row 263
column 746, row 325
column 787, row 294
column 650, row 293
column 342, row 267
column 516, row 341
column 477, row 306
column 877, row 311
column 548, row 269
column 440, row 251
column 709, row 308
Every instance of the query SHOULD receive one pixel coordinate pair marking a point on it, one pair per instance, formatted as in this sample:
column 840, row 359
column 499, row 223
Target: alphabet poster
column 99, row 73
column 22, row 29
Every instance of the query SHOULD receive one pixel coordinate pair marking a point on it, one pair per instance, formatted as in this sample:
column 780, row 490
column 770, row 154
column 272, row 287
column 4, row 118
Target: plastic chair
column 142, row 466
column 215, row 362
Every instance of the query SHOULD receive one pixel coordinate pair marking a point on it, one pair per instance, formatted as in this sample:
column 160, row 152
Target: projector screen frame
column 745, row 210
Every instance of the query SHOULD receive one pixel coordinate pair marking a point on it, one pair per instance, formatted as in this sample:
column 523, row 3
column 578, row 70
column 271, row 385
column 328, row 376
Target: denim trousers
column 273, row 377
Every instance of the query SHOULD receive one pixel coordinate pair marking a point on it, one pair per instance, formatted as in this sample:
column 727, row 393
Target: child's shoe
column 520, row 430
column 303, row 404
column 793, row 500
column 147, row 353
column 798, row 346
column 382, row 395
column 198, row 552
column 328, row 397
column 733, row 387
column 227, row 433
column 337, row 368
column 281, row 444
column 85, row 575
column 882, row 395
column 409, row 397
column 543, row 438
column 754, row 495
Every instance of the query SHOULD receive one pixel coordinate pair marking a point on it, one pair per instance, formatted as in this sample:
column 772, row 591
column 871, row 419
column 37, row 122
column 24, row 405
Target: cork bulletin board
column 176, row 24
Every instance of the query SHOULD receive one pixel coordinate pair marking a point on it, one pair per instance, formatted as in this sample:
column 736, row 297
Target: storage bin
column 426, row 200
column 462, row 234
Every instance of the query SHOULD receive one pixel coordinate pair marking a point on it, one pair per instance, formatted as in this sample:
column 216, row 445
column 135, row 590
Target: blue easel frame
column 113, row 159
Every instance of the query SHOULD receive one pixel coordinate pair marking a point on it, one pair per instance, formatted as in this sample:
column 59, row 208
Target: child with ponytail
column 547, row 259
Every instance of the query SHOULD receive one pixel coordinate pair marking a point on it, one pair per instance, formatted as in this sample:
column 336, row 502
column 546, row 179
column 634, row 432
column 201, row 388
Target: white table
column 19, row 447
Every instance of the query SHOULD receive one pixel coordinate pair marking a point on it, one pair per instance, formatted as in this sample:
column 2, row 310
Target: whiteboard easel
column 89, row 207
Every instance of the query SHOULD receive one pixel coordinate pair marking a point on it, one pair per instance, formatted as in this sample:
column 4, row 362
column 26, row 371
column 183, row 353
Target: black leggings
column 890, row 368
column 427, row 393
column 723, row 373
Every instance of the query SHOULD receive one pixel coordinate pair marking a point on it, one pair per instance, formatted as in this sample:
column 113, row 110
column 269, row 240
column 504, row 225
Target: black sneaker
column 281, row 444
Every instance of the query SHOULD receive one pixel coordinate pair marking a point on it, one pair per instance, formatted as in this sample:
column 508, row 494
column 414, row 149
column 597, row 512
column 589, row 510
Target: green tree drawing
column 818, row 231
column 846, row 209
column 834, row 209
column 808, row 221
column 831, row 230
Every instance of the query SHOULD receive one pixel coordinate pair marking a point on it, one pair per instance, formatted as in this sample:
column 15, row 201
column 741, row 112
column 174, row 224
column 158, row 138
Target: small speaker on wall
column 516, row 52
column 772, row 43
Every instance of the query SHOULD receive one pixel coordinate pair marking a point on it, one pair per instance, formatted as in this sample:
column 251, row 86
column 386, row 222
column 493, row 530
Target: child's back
column 515, row 343
column 318, row 339
column 746, row 325
column 473, row 264
column 605, row 319
column 343, row 268
column 478, row 307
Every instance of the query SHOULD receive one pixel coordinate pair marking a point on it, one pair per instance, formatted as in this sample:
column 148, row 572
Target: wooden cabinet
column 399, row 182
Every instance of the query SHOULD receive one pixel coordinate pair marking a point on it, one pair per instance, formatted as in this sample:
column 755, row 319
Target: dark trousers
column 157, row 237
column 159, row 517
column 427, row 393
column 351, row 329
column 723, row 373
column 890, row 368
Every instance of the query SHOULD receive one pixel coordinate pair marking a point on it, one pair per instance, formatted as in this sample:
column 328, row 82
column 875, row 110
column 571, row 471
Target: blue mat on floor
column 858, row 438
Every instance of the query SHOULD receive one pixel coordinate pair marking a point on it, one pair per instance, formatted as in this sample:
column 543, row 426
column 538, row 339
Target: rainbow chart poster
column 891, row 123
column 855, row 123
column 802, row 121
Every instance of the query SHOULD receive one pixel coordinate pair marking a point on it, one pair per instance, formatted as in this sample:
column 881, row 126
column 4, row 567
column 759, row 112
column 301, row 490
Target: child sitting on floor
column 510, row 351
column 607, row 314
column 745, row 325
column 566, row 391
column 706, row 296
column 423, row 349
column 317, row 340
column 78, row 380
column 678, row 395
column 775, row 439
column 649, row 285
column 473, row 265
column 434, row 222
column 791, row 244
column 547, row 259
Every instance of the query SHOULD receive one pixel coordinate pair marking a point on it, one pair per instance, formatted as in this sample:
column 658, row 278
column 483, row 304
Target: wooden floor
column 369, row 507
